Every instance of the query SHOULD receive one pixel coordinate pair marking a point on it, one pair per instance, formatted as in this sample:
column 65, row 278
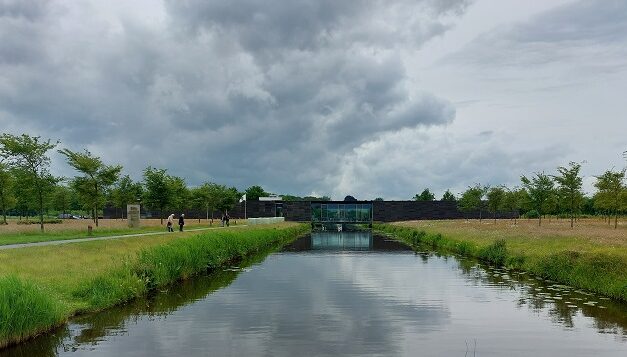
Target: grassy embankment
column 14, row 233
column 591, row 256
column 42, row 287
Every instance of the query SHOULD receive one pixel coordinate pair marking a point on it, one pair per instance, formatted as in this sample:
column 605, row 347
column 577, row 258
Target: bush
column 532, row 214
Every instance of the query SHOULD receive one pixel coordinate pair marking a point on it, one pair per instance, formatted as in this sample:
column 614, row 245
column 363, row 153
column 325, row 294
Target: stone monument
column 132, row 213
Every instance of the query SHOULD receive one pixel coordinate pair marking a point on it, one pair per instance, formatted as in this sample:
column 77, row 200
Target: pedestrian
column 222, row 220
column 181, row 222
column 226, row 218
column 170, row 223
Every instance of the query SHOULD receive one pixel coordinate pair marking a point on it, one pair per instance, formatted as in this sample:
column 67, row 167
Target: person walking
column 181, row 222
column 170, row 223
column 226, row 218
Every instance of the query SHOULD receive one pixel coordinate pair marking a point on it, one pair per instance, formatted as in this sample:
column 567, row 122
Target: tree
column 29, row 154
column 379, row 199
column 472, row 199
column 227, row 197
column 448, row 197
column 611, row 195
column 96, row 180
column 425, row 195
column 7, row 200
column 569, row 185
column 158, row 192
column 62, row 198
column 513, row 201
column 126, row 192
column 254, row 192
column 496, row 197
column 540, row 190
column 181, row 198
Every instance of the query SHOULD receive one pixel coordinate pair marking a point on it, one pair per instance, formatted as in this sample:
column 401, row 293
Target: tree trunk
column 539, row 220
column 41, row 209
column 4, row 213
column 616, row 219
column 161, row 214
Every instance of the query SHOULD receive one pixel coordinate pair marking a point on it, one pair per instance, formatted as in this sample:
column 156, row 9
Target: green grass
column 42, row 287
column 33, row 236
column 598, row 269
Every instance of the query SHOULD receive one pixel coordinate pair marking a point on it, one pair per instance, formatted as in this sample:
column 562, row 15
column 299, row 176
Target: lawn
column 14, row 233
column 41, row 287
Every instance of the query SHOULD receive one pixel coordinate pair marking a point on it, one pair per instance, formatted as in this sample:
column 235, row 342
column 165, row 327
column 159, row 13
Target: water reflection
column 370, row 296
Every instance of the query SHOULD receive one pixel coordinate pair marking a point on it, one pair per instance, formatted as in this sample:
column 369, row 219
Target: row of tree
column 543, row 194
column 27, row 185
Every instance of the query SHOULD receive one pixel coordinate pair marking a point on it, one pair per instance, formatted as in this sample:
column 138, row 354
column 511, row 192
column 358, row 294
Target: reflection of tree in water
column 89, row 329
column 562, row 302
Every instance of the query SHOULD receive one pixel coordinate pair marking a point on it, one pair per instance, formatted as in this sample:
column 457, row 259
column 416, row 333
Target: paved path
column 80, row 240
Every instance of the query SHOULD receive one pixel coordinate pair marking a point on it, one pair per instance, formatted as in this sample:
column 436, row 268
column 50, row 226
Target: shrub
column 532, row 214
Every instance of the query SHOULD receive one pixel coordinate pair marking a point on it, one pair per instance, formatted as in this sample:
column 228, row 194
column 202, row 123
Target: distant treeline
column 544, row 194
column 28, row 188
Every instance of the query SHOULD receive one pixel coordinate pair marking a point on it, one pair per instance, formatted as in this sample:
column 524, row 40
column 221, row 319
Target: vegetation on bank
column 44, row 286
column 601, row 268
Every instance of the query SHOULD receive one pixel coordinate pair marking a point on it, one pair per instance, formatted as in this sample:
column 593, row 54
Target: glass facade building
column 341, row 212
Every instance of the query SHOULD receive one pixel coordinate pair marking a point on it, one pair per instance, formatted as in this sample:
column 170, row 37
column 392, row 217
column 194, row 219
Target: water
column 351, row 294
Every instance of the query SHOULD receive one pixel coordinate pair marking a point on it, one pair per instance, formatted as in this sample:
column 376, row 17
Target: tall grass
column 27, row 309
column 602, row 273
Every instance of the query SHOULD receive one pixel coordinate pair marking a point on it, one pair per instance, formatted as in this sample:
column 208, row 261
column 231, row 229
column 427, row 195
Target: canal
column 350, row 293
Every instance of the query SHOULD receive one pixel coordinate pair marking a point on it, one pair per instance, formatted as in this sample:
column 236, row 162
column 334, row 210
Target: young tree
column 126, row 192
column 540, row 190
column 611, row 194
column 97, row 178
column 181, row 198
column 569, row 185
column 448, row 197
column 472, row 199
column 227, row 197
column 513, row 201
column 62, row 198
column 29, row 154
column 425, row 195
column 254, row 192
column 7, row 201
column 496, row 197
column 158, row 192
column 379, row 199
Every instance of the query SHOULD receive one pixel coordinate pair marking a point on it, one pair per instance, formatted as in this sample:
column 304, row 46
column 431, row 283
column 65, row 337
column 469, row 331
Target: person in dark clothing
column 181, row 222
column 226, row 218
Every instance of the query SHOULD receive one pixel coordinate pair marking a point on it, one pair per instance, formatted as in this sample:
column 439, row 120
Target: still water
column 351, row 294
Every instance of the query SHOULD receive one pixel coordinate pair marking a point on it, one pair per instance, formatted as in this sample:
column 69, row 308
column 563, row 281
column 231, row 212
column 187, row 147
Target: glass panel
column 332, row 212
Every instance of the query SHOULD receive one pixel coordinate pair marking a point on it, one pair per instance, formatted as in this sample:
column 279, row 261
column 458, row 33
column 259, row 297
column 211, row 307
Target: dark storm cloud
column 267, row 92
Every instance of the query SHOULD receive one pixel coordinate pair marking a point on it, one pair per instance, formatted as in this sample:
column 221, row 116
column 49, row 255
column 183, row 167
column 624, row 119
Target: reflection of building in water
column 341, row 240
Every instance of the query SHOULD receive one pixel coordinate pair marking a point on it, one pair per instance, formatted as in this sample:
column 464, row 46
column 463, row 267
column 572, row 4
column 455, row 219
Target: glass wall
column 341, row 212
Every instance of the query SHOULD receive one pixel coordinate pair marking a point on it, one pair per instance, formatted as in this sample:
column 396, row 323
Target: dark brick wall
column 300, row 211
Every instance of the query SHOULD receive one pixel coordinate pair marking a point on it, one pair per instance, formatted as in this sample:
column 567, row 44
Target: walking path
column 80, row 240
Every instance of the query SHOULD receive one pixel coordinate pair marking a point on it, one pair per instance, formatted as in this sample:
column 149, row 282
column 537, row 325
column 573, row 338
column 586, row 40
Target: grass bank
column 42, row 287
column 567, row 260
column 15, row 233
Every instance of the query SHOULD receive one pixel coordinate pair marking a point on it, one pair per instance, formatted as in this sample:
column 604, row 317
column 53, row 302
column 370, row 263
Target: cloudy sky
column 368, row 98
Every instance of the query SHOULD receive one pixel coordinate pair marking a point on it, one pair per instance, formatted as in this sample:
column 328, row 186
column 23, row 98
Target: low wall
column 264, row 220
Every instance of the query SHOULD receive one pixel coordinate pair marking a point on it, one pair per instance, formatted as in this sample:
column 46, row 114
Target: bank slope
column 603, row 271
column 29, row 306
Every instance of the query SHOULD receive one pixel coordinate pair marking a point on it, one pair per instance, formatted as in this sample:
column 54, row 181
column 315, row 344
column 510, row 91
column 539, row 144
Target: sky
column 362, row 98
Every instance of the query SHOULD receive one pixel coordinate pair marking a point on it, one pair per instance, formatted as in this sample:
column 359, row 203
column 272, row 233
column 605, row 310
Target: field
column 592, row 255
column 14, row 233
column 40, row 287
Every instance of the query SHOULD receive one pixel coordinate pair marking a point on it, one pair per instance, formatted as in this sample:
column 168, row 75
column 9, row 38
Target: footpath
column 80, row 240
